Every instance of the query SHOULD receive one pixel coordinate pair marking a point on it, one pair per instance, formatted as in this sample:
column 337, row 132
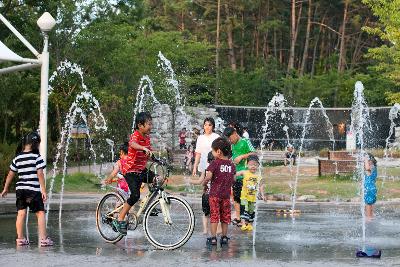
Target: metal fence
column 317, row 137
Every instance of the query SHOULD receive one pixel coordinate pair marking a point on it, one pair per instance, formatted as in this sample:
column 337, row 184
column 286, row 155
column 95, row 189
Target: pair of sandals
column 213, row 240
column 47, row 242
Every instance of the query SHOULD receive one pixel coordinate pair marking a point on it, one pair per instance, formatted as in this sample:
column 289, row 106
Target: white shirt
column 246, row 135
column 203, row 146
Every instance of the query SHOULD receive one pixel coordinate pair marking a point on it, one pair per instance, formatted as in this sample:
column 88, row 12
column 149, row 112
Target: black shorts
column 29, row 198
column 290, row 156
column 135, row 180
column 205, row 204
column 237, row 190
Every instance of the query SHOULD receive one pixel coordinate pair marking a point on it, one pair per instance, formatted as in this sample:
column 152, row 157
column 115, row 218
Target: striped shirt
column 137, row 159
column 26, row 165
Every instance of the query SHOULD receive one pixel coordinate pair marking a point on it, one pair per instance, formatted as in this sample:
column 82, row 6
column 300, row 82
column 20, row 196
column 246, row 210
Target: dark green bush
column 7, row 153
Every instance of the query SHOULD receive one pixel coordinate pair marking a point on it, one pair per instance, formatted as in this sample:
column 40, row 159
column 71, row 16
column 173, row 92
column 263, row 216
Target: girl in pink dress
column 116, row 173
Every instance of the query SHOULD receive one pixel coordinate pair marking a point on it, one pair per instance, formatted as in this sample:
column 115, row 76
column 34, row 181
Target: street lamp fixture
column 46, row 22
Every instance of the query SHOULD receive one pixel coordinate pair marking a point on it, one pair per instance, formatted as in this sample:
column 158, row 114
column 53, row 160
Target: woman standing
column 203, row 148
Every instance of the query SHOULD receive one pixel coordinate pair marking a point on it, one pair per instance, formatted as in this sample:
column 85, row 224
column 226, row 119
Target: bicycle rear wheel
column 165, row 236
column 104, row 217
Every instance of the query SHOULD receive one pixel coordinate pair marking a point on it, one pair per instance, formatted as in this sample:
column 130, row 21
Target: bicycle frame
column 156, row 190
column 163, row 198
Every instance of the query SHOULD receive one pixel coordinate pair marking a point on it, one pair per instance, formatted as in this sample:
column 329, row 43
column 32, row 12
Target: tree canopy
column 241, row 56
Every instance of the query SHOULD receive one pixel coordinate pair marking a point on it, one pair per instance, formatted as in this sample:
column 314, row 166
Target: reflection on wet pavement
column 315, row 239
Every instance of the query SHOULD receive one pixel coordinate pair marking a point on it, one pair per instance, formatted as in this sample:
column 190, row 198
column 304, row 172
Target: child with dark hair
column 237, row 126
column 117, row 170
column 188, row 158
column 241, row 150
column 135, row 171
column 182, row 138
column 31, row 189
column 251, row 183
column 220, row 172
column 370, row 184
column 205, row 205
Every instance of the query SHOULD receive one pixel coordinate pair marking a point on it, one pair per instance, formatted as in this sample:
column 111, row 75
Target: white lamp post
column 46, row 22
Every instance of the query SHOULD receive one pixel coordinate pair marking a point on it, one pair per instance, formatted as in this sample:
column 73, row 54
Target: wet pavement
column 314, row 239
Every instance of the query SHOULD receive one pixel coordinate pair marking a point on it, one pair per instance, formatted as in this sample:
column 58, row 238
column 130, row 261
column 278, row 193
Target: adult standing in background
column 203, row 146
column 246, row 133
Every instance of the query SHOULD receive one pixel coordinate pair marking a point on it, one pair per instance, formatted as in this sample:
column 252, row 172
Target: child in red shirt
column 182, row 138
column 134, row 169
column 221, row 173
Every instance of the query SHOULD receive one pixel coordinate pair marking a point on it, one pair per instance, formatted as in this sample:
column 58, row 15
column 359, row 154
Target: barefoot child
column 221, row 173
column 251, row 180
column 135, row 171
column 123, row 156
column 30, row 190
column 370, row 185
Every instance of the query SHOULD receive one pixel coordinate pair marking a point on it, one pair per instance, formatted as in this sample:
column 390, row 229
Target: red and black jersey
column 137, row 159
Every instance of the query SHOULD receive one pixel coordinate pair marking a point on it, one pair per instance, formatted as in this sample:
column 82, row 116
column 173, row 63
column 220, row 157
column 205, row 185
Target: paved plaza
column 323, row 234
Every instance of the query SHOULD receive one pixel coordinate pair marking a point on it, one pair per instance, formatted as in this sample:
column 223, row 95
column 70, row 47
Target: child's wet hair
column 372, row 158
column 229, row 131
column 223, row 145
column 211, row 121
column 33, row 139
column 237, row 126
column 253, row 158
column 142, row 118
column 124, row 147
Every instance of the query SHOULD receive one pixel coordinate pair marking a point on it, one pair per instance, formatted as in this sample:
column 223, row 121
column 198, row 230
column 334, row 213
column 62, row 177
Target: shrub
column 7, row 153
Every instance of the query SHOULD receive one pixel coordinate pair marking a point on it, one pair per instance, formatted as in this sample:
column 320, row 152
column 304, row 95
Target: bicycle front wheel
column 105, row 216
column 169, row 236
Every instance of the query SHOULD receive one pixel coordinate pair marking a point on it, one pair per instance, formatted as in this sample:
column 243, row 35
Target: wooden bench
column 178, row 156
column 272, row 155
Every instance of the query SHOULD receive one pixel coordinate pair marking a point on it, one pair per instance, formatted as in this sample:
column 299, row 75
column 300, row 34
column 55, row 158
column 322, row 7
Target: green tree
column 387, row 56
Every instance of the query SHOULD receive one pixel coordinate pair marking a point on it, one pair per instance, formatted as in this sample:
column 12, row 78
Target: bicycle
column 169, row 231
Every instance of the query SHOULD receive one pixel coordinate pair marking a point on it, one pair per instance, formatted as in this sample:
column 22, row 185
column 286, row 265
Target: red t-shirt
column 137, row 159
column 223, row 174
column 182, row 137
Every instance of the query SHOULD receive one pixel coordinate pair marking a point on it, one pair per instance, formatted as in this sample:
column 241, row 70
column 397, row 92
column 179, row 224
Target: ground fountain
column 393, row 115
column 329, row 126
column 360, row 125
column 84, row 109
column 275, row 113
column 145, row 93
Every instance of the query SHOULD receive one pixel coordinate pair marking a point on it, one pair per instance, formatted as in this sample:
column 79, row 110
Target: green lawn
column 78, row 182
column 331, row 188
column 326, row 187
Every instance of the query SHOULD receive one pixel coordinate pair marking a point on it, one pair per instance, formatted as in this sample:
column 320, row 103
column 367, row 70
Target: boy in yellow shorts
column 251, row 182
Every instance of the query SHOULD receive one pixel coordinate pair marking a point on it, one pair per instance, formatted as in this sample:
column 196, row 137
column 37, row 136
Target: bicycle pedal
column 105, row 219
column 155, row 212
